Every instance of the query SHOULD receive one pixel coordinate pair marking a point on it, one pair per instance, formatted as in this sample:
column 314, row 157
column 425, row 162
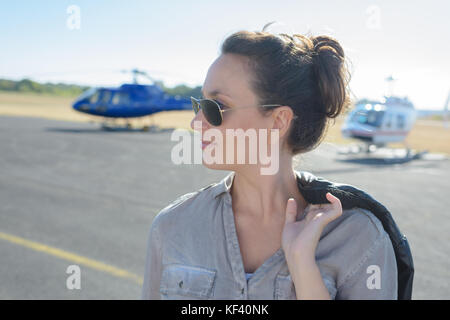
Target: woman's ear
column 282, row 118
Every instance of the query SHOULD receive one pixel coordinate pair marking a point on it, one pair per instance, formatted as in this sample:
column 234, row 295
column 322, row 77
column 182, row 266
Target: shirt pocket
column 180, row 282
column 284, row 288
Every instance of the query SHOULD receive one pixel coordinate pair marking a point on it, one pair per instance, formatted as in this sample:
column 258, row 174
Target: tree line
column 72, row 90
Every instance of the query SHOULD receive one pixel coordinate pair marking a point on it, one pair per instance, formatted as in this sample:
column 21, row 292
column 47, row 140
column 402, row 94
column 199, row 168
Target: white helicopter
column 377, row 123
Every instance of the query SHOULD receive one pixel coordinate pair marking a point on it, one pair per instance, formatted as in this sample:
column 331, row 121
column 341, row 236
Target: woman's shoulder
column 352, row 241
column 357, row 230
column 358, row 221
column 184, row 206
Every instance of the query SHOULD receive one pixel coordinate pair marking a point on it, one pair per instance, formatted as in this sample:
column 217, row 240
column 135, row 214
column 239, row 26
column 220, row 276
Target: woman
column 253, row 235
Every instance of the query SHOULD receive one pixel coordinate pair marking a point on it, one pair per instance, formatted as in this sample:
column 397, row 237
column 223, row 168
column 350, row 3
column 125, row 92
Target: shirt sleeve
column 374, row 275
column 153, row 266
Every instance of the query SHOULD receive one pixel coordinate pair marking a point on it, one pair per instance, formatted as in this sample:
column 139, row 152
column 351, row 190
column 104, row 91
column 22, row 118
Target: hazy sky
column 176, row 41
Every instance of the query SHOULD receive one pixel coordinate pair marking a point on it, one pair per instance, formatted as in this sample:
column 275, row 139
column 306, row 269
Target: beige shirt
column 193, row 253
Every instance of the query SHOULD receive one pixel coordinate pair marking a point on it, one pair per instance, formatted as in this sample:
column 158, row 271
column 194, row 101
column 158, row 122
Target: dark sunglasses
column 213, row 112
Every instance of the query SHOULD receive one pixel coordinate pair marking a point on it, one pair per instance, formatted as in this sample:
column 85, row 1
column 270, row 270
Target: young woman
column 253, row 235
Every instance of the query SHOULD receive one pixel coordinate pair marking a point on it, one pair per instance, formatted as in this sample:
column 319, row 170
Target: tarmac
column 74, row 194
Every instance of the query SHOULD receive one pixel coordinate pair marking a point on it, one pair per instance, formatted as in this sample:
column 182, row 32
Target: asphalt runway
column 72, row 194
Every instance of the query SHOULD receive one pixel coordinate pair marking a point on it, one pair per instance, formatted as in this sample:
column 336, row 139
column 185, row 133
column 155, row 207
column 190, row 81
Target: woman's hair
column 307, row 73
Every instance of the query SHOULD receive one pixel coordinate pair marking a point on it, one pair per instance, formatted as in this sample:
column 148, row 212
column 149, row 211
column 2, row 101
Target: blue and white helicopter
column 129, row 101
column 377, row 123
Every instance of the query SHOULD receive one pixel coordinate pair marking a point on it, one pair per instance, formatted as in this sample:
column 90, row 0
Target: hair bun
column 326, row 45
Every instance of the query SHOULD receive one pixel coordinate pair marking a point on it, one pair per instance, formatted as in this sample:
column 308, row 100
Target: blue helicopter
column 129, row 101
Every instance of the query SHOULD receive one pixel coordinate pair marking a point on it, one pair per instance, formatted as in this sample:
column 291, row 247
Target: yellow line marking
column 80, row 260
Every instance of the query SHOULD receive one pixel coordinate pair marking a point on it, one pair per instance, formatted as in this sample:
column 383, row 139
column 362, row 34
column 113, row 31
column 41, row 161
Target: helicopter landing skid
column 358, row 148
column 112, row 125
column 387, row 155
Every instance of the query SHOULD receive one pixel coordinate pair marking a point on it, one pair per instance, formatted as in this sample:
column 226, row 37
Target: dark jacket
column 314, row 190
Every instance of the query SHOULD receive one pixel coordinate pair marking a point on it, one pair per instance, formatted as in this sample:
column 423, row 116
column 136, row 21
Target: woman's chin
column 227, row 167
column 218, row 166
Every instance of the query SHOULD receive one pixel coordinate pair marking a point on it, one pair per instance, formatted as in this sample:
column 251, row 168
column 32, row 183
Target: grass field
column 425, row 135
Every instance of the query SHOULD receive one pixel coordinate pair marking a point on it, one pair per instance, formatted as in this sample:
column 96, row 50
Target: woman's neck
column 264, row 197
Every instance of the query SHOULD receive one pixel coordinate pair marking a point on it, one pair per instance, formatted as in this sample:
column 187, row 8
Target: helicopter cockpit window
column 121, row 98
column 105, row 96
column 401, row 121
column 389, row 121
column 370, row 117
column 94, row 97
column 87, row 94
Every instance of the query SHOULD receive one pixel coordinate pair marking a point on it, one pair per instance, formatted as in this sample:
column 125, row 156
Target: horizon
column 53, row 42
column 82, row 85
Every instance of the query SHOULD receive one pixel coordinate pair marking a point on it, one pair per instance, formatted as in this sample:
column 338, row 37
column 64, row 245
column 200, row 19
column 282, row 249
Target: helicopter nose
column 79, row 106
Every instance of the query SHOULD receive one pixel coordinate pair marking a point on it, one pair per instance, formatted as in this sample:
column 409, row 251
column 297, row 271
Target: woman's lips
column 205, row 143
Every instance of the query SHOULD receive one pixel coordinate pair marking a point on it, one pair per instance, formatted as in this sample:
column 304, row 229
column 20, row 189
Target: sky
column 92, row 42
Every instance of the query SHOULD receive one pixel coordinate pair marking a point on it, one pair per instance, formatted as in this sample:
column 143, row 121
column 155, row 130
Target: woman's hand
column 300, row 238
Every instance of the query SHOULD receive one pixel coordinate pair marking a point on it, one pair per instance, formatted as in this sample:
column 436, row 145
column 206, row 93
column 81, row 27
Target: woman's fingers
column 324, row 211
column 291, row 211
column 336, row 204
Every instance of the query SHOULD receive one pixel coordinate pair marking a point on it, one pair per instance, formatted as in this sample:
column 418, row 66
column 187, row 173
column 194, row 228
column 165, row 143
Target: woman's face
column 228, row 82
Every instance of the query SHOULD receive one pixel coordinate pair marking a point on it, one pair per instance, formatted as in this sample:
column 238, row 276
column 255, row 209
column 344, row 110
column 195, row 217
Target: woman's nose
column 199, row 118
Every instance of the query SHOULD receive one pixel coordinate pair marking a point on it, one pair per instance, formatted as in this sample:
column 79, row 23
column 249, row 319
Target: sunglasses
column 213, row 111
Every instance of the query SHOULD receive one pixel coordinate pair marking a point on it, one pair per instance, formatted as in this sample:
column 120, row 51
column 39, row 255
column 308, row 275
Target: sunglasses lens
column 211, row 112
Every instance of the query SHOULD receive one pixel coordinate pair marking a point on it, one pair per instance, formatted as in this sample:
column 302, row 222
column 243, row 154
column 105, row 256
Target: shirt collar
column 224, row 185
